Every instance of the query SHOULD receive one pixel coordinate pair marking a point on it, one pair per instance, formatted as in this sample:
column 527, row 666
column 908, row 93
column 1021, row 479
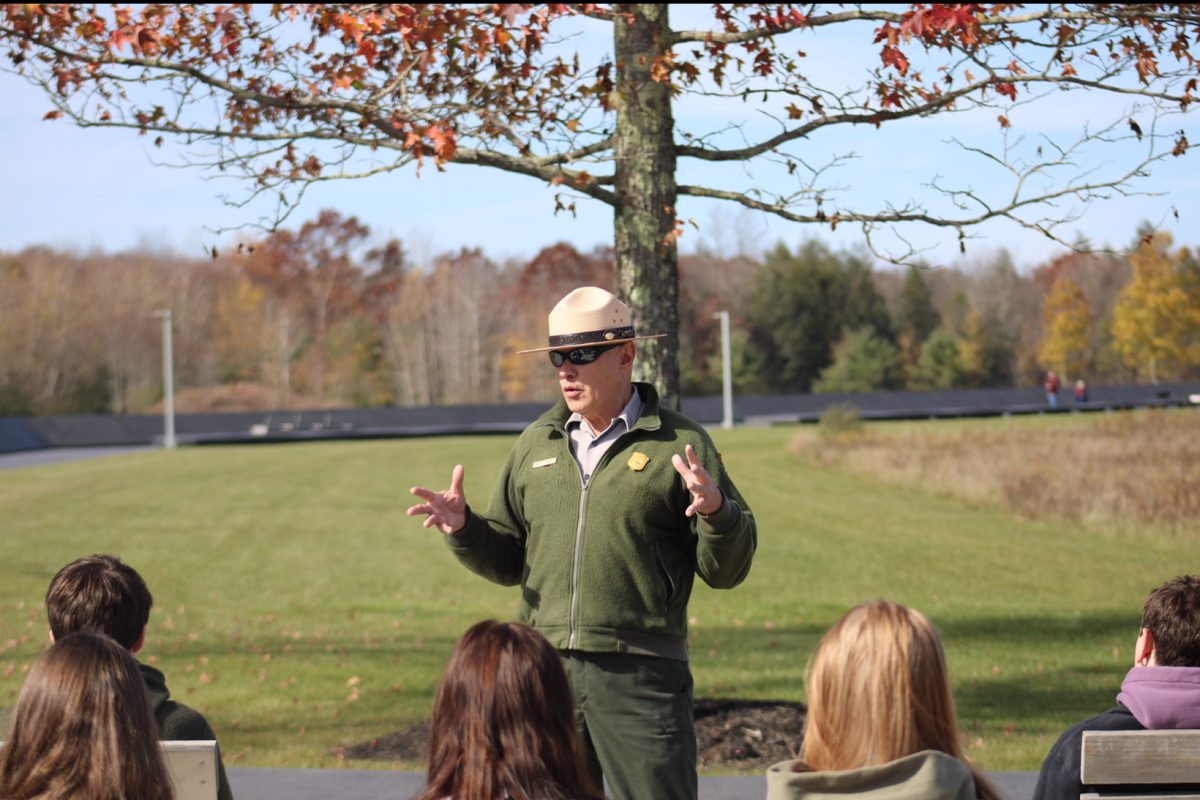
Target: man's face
column 598, row 390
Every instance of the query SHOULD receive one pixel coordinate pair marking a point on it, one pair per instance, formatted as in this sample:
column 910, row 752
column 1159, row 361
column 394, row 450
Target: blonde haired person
column 82, row 728
column 881, row 721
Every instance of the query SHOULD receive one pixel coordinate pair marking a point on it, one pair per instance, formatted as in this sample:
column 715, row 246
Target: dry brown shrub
column 1126, row 468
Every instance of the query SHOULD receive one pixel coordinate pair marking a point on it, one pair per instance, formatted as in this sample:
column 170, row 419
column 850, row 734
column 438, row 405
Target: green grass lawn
column 301, row 610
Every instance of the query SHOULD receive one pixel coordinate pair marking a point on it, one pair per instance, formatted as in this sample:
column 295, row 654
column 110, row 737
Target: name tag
column 545, row 462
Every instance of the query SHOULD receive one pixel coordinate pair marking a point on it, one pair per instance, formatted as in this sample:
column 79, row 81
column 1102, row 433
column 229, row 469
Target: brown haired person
column 607, row 509
column 881, row 722
column 81, row 729
column 503, row 725
column 102, row 594
column 1160, row 692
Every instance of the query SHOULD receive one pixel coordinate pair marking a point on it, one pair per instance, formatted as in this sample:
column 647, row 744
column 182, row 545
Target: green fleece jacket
column 177, row 722
column 928, row 775
column 608, row 567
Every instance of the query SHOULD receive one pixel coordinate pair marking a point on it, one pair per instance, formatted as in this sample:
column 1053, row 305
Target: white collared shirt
column 589, row 447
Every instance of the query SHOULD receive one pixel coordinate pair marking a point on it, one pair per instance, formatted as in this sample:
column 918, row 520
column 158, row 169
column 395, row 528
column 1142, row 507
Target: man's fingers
column 456, row 480
column 680, row 467
column 425, row 494
column 693, row 462
column 694, row 476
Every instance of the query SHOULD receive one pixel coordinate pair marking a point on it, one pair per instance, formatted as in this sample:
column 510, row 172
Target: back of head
column 100, row 594
column 1172, row 615
column 878, row 690
column 503, row 721
column 82, row 728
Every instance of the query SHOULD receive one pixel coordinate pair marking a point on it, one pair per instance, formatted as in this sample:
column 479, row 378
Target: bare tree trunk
column 283, row 359
column 647, row 274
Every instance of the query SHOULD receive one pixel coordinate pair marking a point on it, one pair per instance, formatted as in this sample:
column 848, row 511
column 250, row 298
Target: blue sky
column 98, row 189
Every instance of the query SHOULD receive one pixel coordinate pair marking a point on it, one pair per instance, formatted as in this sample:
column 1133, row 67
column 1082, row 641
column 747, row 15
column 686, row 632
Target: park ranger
column 606, row 509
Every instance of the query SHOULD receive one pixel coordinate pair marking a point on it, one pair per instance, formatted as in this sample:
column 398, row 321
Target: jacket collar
column 558, row 414
column 927, row 775
column 1163, row 698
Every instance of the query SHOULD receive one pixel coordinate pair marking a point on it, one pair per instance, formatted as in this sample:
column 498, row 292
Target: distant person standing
column 1051, row 386
column 1081, row 393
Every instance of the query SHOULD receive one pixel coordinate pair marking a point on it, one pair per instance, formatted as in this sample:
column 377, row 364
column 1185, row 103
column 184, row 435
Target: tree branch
column 752, row 34
column 936, row 105
column 527, row 166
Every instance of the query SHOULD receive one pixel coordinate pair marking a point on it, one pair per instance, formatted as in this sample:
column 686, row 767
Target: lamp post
column 726, row 371
column 168, row 380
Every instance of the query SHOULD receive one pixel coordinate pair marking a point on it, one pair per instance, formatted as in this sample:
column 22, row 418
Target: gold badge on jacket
column 638, row 461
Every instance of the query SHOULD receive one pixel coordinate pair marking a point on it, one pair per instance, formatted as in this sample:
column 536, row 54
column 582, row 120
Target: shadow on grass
column 319, row 645
column 1035, row 667
column 1049, row 671
column 1067, row 668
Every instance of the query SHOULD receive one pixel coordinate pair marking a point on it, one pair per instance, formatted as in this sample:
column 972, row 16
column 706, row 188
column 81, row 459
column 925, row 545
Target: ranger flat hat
column 590, row 316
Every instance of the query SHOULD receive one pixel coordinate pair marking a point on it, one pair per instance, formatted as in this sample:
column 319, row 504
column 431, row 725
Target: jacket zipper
column 578, row 564
column 577, row 568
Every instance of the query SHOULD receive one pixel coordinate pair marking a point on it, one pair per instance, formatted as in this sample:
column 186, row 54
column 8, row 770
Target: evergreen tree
column 940, row 366
column 801, row 305
column 865, row 362
column 916, row 316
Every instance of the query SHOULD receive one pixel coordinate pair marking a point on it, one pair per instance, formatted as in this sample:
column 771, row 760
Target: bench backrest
column 1142, row 764
column 193, row 768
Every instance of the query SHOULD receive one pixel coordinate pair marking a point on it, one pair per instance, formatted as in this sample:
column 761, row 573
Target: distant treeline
column 315, row 317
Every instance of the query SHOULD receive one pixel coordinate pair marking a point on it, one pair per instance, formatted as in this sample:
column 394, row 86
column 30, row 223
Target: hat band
column 592, row 337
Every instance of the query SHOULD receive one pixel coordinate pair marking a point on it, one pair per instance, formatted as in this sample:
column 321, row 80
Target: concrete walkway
column 59, row 455
column 349, row 784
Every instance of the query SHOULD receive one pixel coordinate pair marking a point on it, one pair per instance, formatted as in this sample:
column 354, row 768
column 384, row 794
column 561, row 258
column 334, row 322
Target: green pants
column 635, row 718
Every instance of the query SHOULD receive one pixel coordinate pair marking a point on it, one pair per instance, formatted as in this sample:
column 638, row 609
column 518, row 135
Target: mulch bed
column 730, row 734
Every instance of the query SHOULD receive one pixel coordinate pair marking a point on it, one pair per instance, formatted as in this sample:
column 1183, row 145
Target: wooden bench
column 193, row 768
column 1141, row 764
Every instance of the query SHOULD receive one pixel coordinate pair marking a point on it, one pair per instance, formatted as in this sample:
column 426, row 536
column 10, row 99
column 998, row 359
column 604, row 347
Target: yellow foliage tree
column 1156, row 321
column 239, row 314
column 1066, row 325
column 526, row 377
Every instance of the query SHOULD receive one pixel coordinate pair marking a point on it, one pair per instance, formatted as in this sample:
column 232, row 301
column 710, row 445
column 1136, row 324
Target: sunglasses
column 579, row 356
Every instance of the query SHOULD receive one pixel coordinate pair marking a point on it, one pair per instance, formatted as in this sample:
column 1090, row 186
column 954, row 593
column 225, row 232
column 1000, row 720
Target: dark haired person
column 608, row 508
column 81, row 729
column 102, row 594
column 503, row 725
column 1160, row 692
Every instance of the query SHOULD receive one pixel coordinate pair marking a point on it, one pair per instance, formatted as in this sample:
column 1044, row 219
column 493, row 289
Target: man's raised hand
column 446, row 510
column 706, row 495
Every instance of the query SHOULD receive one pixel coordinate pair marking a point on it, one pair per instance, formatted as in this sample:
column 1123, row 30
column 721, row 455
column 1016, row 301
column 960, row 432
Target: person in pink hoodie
column 1160, row 692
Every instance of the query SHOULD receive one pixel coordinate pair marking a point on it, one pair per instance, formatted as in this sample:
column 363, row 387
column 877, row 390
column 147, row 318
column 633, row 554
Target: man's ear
column 51, row 635
column 628, row 353
column 1144, row 650
column 141, row 641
